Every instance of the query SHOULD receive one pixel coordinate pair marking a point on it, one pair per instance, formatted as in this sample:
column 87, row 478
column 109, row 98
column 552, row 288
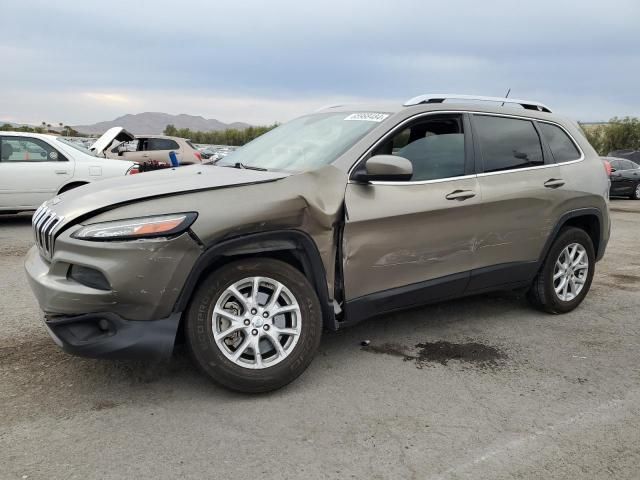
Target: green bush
column 618, row 134
column 230, row 136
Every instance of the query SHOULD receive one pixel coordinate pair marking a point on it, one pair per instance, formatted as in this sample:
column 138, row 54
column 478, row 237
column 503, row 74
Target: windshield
column 75, row 145
column 305, row 143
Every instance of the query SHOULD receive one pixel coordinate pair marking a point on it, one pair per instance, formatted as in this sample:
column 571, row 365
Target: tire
column 273, row 367
column 636, row 192
column 542, row 293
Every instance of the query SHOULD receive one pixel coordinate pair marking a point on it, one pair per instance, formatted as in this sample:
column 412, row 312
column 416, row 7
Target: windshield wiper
column 248, row 167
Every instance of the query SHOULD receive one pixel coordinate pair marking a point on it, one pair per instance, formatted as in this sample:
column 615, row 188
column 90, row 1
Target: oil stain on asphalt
column 442, row 352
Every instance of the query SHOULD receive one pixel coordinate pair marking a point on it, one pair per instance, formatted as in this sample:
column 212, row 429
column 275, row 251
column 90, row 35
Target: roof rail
column 441, row 97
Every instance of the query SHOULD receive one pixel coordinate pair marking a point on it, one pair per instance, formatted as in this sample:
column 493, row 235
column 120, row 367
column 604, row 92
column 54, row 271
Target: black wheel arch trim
column 581, row 212
column 259, row 243
column 71, row 185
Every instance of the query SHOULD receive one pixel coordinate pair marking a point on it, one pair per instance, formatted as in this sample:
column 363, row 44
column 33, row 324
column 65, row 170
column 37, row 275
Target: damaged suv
column 327, row 220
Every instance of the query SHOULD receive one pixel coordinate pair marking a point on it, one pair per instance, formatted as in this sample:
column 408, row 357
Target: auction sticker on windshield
column 368, row 117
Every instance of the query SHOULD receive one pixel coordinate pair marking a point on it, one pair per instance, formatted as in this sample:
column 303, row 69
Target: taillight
column 607, row 167
column 198, row 156
column 133, row 169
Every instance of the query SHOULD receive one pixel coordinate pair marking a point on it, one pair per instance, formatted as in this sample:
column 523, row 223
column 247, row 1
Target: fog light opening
column 89, row 277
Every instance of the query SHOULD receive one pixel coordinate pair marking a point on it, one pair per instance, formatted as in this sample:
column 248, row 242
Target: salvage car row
column 36, row 167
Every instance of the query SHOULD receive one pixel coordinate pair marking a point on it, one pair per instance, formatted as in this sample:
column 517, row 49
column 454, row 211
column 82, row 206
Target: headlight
column 134, row 228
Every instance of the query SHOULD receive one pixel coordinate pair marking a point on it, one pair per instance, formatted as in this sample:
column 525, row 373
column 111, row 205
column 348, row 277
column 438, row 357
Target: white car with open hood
column 36, row 167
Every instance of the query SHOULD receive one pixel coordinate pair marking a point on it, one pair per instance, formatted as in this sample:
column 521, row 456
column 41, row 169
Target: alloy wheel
column 256, row 322
column 570, row 272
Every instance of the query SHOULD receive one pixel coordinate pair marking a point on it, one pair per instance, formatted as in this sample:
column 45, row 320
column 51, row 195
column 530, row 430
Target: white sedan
column 36, row 167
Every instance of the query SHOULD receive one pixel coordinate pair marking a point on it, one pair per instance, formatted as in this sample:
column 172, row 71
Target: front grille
column 45, row 224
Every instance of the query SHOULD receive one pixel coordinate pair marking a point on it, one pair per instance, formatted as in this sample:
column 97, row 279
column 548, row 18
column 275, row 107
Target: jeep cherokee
column 332, row 218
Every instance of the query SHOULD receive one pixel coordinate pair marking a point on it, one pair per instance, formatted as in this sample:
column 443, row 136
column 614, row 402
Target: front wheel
column 566, row 274
column 254, row 325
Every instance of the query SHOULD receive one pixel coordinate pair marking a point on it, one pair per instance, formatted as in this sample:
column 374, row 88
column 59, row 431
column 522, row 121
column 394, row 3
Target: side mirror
column 613, row 169
column 384, row 168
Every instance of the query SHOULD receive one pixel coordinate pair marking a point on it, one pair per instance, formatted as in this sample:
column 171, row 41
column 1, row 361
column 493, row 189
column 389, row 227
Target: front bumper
column 144, row 277
column 107, row 335
column 133, row 315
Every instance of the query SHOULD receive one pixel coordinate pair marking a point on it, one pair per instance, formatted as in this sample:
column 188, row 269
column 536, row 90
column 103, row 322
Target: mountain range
column 154, row 123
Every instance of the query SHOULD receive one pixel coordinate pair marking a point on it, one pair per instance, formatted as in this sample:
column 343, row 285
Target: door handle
column 61, row 172
column 554, row 183
column 460, row 195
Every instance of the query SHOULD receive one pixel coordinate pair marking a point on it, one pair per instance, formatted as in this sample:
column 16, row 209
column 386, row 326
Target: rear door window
column 160, row 144
column 507, row 143
column 562, row 147
column 627, row 165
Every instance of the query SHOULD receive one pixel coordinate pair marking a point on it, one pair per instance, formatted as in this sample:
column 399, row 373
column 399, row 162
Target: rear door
column 408, row 242
column 521, row 193
column 31, row 171
column 158, row 149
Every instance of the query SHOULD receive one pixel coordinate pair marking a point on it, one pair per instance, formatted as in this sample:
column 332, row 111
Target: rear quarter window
column 562, row 147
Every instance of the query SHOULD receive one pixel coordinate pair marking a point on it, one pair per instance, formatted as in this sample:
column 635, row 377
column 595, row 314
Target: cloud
column 269, row 60
column 110, row 98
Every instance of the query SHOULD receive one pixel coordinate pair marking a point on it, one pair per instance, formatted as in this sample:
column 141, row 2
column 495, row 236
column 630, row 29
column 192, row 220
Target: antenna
column 506, row 96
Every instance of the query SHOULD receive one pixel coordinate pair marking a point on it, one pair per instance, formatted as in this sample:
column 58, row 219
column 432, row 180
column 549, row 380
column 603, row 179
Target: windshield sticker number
column 368, row 117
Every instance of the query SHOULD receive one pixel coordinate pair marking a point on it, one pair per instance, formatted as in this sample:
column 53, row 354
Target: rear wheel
column 636, row 192
column 566, row 274
column 254, row 325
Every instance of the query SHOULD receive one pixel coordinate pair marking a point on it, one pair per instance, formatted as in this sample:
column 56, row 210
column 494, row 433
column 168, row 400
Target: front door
column 31, row 171
column 409, row 242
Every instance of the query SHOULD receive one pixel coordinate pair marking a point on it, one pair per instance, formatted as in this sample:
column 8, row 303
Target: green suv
column 332, row 218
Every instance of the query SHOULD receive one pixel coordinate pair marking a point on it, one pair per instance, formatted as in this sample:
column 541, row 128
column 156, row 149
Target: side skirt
column 506, row 276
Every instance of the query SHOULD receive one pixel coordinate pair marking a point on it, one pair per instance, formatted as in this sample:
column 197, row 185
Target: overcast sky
column 257, row 61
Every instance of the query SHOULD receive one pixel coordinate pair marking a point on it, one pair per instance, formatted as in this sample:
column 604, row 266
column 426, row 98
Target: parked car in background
column 35, row 167
column 628, row 154
column 625, row 178
column 332, row 218
column 208, row 152
column 117, row 143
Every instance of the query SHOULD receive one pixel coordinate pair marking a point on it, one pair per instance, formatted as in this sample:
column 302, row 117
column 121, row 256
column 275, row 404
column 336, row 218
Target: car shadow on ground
column 35, row 364
column 19, row 219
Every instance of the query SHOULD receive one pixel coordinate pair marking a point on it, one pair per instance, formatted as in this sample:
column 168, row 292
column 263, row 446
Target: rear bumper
column 107, row 335
column 605, row 234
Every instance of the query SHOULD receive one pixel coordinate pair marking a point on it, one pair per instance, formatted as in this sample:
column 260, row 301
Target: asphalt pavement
column 483, row 387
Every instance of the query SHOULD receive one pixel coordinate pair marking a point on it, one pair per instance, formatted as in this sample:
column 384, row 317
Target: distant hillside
column 155, row 122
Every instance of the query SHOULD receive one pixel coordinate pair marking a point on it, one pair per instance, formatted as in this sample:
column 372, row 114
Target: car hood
column 107, row 194
column 118, row 134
